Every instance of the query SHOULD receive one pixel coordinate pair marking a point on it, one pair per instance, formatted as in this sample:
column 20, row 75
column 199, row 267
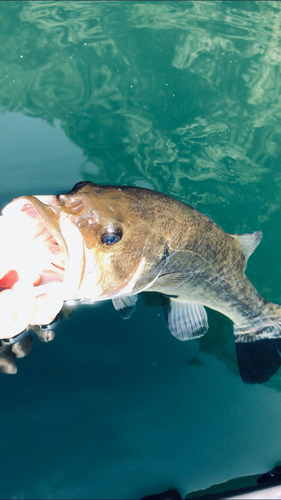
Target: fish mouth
column 41, row 246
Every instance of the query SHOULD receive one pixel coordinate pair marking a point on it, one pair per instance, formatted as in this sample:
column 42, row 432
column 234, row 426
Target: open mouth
column 41, row 258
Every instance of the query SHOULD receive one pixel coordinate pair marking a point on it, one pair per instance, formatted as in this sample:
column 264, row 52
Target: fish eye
column 111, row 238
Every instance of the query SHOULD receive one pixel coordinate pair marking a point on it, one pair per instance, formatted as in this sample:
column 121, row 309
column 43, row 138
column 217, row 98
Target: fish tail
column 258, row 346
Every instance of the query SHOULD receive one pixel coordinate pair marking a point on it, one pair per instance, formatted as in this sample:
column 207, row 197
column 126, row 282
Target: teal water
column 184, row 98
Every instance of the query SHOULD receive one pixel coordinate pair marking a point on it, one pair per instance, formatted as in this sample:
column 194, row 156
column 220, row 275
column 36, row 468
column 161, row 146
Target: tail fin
column 258, row 349
column 258, row 361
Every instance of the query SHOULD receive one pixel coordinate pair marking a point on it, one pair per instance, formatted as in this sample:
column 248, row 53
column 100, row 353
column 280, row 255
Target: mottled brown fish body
column 166, row 246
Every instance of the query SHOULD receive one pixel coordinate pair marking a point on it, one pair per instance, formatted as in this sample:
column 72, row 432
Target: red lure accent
column 9, row 279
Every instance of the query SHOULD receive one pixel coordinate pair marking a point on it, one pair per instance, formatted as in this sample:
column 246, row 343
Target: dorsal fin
column 248, row 242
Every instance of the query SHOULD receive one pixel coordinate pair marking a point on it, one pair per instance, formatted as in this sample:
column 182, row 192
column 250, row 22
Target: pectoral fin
column 186, row 320
column 125, row 305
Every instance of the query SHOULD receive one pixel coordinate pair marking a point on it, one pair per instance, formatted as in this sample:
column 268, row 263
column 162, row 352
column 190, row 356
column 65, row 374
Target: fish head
column 121, row 244
column 92, row 243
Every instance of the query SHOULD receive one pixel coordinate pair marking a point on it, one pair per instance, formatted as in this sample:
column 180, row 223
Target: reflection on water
column 182, row 97
column 203, row 106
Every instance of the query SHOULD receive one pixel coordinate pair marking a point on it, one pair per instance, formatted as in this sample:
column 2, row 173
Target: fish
column 100, row 242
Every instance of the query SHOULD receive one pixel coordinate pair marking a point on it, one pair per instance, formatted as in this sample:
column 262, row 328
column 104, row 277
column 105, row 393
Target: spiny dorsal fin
column 185, row 320
column 248, row 242
column 125, row 305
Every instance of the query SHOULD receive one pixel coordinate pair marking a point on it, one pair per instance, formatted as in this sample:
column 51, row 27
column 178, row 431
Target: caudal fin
column 258, row 361
column 258, row 349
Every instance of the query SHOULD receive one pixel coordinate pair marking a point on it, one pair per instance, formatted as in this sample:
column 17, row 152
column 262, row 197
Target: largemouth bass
column 113, row 242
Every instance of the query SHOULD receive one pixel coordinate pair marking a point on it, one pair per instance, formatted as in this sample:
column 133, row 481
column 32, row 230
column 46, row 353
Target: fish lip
column 40, row 203
column 70, row 241
column 58, row 222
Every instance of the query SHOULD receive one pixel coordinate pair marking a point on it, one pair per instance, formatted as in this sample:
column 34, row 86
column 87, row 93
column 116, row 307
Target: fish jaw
column 70, row 241
column 45, row 253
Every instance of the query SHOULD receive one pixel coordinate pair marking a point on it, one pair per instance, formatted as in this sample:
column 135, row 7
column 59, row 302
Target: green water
column 184, row 98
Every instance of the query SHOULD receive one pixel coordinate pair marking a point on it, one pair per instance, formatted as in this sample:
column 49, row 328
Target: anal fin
column 185, row 320
column 125, row 306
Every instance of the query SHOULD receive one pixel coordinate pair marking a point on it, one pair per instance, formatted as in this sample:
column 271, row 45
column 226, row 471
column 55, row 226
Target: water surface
column 184, row 98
